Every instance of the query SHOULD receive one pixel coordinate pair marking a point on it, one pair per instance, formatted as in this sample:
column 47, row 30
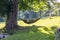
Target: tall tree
column 9, row 8
column 11, row 22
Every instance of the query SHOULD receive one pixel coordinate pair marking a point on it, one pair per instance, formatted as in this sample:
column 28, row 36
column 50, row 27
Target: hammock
column 30, row 21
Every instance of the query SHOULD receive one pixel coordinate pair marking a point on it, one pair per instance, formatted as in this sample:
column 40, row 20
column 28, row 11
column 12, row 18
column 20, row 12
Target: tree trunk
column 57, row 34
column 11, row 22
column 50, row 14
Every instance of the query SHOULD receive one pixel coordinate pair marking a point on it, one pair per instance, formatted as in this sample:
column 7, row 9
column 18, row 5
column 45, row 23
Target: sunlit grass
column 55, row 21
column 47, row 30
column 39, row 33
column 43, row 29
column 2, row 25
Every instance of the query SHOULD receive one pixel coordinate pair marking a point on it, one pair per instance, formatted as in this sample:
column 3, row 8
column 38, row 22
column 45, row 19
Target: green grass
column 43, row 29
column 34, row 33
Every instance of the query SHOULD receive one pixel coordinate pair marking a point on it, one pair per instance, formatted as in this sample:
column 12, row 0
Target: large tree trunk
column 11, row 22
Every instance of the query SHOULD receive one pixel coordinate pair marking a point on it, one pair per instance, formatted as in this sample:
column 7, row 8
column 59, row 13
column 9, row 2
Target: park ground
column 43, row 29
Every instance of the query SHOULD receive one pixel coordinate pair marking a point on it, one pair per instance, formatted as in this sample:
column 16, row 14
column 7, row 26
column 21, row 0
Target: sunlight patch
column 43, row 31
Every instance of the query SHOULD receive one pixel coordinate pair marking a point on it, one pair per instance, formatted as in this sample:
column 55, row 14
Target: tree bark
column 11, row 22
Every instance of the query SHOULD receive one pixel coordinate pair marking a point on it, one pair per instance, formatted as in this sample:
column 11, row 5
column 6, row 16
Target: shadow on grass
column 41, row 32
column 35, row 28
column 33, row 33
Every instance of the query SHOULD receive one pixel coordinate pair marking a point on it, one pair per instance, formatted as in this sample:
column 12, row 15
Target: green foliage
column 22, row 5
column 35, row 5
column 31, row 4
column 3, row 7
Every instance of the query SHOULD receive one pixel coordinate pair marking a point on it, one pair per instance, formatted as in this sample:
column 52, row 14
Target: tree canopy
column 3, row 7
column 22, row 5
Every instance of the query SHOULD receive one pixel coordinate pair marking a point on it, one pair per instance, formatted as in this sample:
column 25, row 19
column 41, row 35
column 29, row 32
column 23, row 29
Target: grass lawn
column 43, row 29
column 34, row 33
column 2, row 25
column 55, row 21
